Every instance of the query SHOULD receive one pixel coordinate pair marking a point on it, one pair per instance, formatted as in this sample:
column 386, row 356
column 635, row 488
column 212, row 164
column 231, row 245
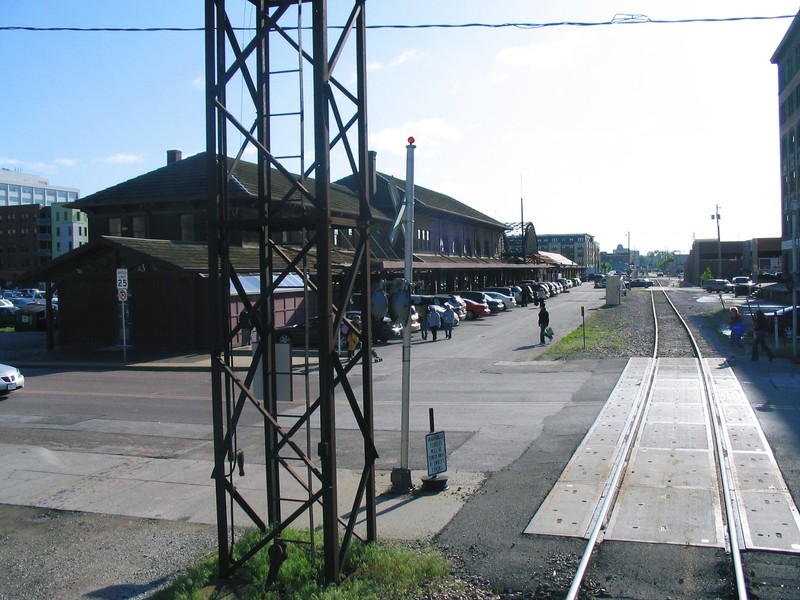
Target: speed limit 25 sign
column 122, row 279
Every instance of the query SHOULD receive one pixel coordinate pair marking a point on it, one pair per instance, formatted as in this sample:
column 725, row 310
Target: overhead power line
column 619, row 19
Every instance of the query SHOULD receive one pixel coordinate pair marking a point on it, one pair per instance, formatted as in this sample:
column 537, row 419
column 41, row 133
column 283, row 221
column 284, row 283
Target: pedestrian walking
column 246, row 326
column 524, row 296
column 434, row 321
column 737, row 326
column 761, row 329
column 540, row 296
column 423, row 325
column 544, row 322
column 448, row 320
column 354, row 337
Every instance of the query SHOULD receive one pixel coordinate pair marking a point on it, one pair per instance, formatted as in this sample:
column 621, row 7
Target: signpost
column 122, row 295
column 436, row 451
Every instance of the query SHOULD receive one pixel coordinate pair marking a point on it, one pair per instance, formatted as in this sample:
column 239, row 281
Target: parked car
column 642, row 282
column 10, row 379
column 536, row 287
column 454, row 300
column 383, row 330
column 600, row 281
column 505, row 290
column 722, row 286
column 8, row 316
column 22, row 301
column 743, row 286
column 495, row 306
column 508, row 301
column 784, row 317
column 476, row 310
column 295, row 334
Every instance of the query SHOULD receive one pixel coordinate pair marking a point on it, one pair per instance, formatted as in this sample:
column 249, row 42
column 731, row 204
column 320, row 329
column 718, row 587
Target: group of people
column 435, row 320
column 738, row 327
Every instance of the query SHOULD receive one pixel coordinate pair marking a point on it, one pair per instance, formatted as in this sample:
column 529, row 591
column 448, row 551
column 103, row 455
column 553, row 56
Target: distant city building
column 24, row 189
column 621, row 260
column 580, row 248
column 787, row 58
column 68, row 228
column 35, row 227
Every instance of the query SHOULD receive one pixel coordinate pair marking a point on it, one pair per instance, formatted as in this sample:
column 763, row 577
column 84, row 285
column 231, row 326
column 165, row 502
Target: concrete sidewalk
column 27, row 350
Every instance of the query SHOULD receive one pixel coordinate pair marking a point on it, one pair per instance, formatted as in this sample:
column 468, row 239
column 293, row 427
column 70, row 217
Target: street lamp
column 719, row 242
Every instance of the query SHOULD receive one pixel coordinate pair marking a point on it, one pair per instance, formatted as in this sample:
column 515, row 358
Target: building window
column 138, row 227
column 187, row 228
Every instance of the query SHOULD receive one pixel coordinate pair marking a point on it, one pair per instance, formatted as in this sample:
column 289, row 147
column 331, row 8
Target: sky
column 634, row 133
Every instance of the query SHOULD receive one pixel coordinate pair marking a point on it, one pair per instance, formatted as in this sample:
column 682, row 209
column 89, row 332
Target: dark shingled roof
column 165, row 254
column 441, row 202
column 185, row 181
column 187, row 256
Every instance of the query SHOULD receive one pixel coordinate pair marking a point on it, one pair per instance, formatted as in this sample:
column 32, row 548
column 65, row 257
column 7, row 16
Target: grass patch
column 378, row 570
column 605, row 330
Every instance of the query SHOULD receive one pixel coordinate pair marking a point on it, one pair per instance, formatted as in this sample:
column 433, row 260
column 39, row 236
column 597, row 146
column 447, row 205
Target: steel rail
column 722, row 461
column 614, row 482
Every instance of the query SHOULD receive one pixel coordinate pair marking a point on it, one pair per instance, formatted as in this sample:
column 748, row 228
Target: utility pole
column 794, row 206
column 522, row 228
column 629, row 269
column 719, row 242
column 401, row 476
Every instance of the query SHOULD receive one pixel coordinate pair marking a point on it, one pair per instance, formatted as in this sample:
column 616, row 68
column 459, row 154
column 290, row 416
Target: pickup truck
column 717, row 285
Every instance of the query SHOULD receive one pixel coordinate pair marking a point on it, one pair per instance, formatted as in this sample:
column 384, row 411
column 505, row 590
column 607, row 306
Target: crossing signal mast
column 250, row 71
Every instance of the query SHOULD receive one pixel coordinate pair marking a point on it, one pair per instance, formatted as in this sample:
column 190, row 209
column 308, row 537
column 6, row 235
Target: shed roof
column 134, row 252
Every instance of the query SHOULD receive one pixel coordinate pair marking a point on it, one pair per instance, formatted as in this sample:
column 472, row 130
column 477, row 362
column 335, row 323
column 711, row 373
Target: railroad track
column 675, row 468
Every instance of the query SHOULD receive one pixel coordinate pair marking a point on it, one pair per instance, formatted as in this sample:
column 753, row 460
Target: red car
column 476, row 310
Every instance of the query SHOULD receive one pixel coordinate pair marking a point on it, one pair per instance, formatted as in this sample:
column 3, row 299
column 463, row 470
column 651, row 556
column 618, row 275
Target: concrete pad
column 755, row 471
column 773, row 521
column 677, row 435
column 746, row 438
column 662, row 468
column 668, row 516
column 767, row 513
column 567, row 510
column 677, row 412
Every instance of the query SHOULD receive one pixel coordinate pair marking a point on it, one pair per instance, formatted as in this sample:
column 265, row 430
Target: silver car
column 10, row 379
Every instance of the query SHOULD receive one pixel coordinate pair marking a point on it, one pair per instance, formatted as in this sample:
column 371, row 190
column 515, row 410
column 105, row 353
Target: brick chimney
column 173, row 156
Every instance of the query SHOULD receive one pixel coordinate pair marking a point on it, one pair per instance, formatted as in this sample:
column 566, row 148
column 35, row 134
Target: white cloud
column 199, row 83
column 401, row 59
column 429, row 134
column 66, row 162
column 121, row 159
column 37, row 167
column 554, row 53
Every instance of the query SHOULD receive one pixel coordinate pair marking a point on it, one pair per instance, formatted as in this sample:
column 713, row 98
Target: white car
column 10, row 379
column 508, row 301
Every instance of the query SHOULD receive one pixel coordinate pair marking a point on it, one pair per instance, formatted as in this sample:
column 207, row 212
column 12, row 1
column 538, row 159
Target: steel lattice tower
column 245, row 85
